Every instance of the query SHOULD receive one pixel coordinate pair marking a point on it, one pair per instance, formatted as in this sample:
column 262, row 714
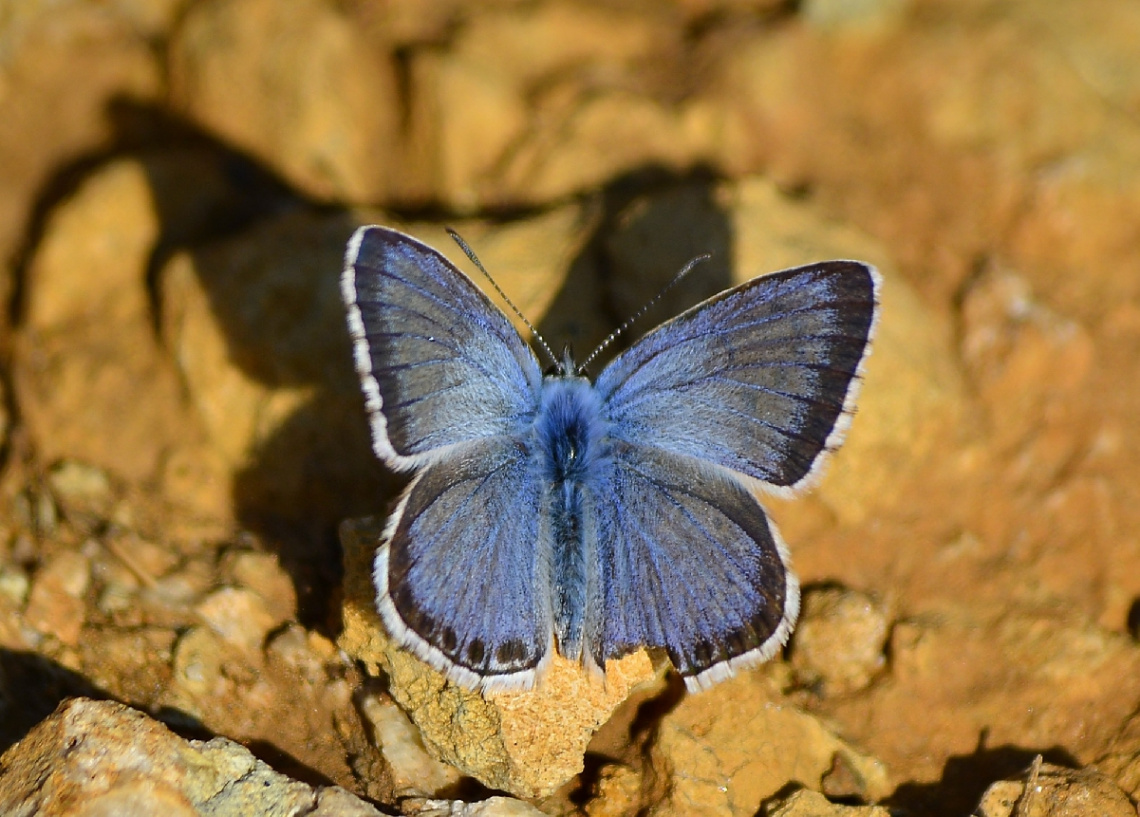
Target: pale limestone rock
column 104, row 758
column 527, row 743
column 415, row 773
column 491, row 807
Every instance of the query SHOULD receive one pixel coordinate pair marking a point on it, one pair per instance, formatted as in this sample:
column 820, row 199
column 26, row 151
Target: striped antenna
column 475, row 260
column 614, row 335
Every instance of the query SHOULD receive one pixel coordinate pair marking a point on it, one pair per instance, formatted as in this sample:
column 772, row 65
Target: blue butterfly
column 548, row 512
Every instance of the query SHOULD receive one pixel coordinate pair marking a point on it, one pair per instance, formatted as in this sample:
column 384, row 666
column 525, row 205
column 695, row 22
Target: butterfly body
column 595, row 517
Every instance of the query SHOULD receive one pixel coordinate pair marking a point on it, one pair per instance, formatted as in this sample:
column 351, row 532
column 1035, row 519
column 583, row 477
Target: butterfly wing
column 461, row 576
column 450, row 388
column 759, row 379
column 688, row 562
column 440, row 365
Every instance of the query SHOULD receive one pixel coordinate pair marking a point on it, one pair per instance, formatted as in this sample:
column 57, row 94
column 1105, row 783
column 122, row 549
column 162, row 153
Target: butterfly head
column 566, row 367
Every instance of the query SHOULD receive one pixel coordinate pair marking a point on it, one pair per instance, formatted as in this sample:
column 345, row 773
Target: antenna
column 614, row 335
column 475, row 260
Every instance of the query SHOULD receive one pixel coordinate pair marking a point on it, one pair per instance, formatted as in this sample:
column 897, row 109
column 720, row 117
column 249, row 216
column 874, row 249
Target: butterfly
column 548, row 511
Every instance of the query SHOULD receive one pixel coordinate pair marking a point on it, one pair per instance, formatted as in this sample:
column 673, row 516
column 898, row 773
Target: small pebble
column 81, row 487
column 262, row 573
column 14, row 584
column 197, row 661
column 839, row 642
column 55, row 603
column 415, row 773
column 238, row 615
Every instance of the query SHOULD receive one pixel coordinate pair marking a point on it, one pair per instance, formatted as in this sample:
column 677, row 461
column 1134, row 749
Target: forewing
column 438, row 362
column 463, row 576
column 759, row 379
column 688, row 562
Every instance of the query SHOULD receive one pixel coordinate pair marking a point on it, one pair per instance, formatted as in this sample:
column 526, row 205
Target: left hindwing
column 464, row 576
column 759, row 379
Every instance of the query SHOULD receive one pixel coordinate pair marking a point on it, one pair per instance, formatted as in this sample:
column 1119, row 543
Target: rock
column 491, row 807
column 62, row 66
column 256, row 328
column 240, row 616
column 526, row 743
column 537, row 103
column 197, row 663
column 1046, row 790
column 415, row 773
column 838, row 644
column 1023, row 357
column 56, row 603
column 617, row 792
column 1121, row 760
column 103, row 758
column 728, row 750
column 108, row 398
column 81, row 488
column 262, row 573
column 14, row 585
column 856, row 15
column 133, row 662
column 305, row 92
column 808, row 803
column 1027, row 676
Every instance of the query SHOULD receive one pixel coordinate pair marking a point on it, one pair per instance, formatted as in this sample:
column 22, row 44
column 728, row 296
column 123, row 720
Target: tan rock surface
column 232, row 69
column 71, row 372
column 178, row 415
column 728, row 750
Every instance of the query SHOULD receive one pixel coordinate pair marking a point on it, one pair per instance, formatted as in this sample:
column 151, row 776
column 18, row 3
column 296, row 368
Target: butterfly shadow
column 265, row 258
column 646, row 225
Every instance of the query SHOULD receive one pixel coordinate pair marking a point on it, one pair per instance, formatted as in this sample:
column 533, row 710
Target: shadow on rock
column 31, row 687
column 966, row 777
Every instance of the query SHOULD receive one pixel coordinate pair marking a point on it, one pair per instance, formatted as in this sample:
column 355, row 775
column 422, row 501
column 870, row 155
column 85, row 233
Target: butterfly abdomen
column 571, row 435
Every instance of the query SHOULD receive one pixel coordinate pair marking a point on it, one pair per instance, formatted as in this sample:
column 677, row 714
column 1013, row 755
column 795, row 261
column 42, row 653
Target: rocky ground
column 187, row 628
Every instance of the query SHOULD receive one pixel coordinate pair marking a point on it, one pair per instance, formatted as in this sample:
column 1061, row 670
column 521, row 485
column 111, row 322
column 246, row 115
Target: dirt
column 182, row 429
